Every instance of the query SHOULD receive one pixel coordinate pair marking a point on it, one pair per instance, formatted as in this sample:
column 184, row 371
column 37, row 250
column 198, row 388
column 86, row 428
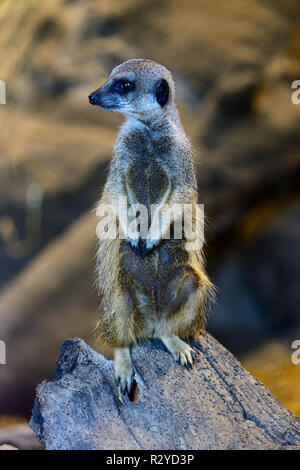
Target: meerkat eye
column 123, row 86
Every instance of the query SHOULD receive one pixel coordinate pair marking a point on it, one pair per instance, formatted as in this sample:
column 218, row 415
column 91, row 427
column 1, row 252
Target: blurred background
column 233, row 63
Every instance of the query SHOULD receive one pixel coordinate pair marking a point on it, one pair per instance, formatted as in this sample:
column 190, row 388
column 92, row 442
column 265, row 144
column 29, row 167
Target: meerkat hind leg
column 180, row 350
column 123, row 370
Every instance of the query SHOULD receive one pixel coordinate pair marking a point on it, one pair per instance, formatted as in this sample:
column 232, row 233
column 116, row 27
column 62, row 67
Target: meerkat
column 151, row 287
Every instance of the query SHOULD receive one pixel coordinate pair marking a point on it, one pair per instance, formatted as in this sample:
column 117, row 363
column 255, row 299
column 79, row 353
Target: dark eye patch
column 122, row 86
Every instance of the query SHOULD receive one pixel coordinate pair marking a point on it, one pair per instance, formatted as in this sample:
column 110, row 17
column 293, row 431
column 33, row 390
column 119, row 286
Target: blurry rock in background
column 233, row 63
column 272, row 364
column 15, row 434
column 53, row 297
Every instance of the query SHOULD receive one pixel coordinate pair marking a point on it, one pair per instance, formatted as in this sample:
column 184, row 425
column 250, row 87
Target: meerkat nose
column 92, row 99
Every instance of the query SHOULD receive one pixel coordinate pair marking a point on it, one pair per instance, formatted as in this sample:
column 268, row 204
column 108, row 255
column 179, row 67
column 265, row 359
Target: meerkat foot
column 123, row 371
column 180, row 350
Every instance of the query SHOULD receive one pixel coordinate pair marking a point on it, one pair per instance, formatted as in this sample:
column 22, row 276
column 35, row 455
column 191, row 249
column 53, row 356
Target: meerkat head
column 137, row 87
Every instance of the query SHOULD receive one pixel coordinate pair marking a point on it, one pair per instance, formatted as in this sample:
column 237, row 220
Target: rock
column 18, row 437
column 215, row 405
column 7, row 447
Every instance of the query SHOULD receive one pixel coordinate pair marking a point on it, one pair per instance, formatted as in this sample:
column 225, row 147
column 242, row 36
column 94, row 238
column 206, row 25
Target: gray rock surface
column 215, row 405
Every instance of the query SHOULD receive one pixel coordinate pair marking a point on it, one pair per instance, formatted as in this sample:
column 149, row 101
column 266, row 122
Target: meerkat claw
column 120, row 394
column 182, row 359
column 186, row 359
column 123, row 371
column 123, row 389
column 180, row 350
column 125, row 384
column 190, row 357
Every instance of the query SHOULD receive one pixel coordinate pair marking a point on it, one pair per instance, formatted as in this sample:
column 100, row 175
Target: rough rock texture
column 216, row 405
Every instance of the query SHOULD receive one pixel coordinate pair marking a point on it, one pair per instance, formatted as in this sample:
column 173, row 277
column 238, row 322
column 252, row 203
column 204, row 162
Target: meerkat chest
column 148, row 149
column 147, row 181
column 150, row 167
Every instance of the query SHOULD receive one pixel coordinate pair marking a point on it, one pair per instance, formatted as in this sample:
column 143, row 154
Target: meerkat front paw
column 134, row 244
column 180, row 350
column 150, row 244
column 123, row 371
column 142, row 247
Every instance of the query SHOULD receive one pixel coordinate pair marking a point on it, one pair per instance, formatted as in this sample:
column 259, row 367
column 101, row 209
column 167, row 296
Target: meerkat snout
column 137, row 87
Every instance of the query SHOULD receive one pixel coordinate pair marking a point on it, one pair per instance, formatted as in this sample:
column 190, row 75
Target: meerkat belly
column 158, row 284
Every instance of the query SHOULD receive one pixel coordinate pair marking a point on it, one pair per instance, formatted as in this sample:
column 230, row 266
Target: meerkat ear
column 162, row 92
